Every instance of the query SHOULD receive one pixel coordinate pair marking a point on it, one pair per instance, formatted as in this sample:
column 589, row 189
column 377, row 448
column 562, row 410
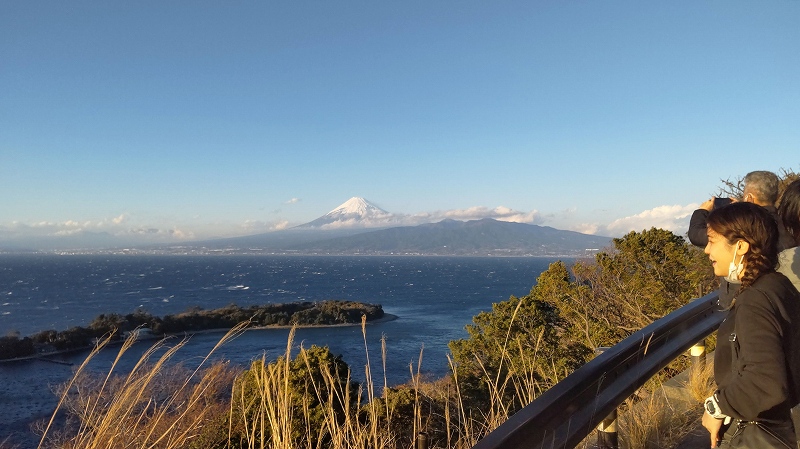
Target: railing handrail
column 567, row 412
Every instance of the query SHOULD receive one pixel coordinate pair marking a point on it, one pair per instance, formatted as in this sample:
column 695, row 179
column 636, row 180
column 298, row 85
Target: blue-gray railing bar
column 567, row 412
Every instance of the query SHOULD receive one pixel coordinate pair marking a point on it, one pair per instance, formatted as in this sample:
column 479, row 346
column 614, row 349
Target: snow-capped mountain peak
column 357, row 206
column 353, row 213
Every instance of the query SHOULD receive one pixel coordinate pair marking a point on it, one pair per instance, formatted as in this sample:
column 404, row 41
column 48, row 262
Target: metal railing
column 566, row 413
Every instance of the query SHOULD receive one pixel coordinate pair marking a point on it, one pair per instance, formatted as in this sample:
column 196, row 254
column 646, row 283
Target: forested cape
column 117, row 326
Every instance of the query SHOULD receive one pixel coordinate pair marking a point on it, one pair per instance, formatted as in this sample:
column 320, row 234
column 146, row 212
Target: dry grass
column 700, row 383
column 660, row 419
column 271, row 409
column 517, row 373
column 655, row 422
column 5, row 444
column 135, row 411
column 157, row 405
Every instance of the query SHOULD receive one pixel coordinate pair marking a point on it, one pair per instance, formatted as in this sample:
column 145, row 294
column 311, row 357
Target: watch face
column 710, row 407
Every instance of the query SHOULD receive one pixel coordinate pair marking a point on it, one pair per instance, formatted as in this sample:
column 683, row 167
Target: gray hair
column 763, row 185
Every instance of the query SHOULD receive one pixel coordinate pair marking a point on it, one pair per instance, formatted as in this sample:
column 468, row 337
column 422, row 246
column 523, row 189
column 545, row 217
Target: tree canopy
column 570, row 312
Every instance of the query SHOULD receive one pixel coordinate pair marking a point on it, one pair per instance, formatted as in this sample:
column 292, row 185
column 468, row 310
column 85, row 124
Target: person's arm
column 698, row 234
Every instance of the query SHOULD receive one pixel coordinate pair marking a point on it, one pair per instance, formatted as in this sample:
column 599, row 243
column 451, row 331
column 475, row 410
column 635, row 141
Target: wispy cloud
column 258, row 226
column 293, row 201
column 674, row 218
column 586, row 228
column 500, row 213
column 114, row 227
column 170, row 234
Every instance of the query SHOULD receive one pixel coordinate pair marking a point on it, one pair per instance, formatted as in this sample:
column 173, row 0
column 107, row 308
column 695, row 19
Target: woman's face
column 720, row 252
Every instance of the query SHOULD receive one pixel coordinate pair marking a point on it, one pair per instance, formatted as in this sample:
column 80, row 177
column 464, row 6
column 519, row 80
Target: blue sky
column 180, row 120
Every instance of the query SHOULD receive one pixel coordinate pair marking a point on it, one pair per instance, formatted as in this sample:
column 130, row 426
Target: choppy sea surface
column 432, row 297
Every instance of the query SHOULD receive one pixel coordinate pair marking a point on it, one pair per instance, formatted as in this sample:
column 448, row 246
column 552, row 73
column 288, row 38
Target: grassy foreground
column 305, row 401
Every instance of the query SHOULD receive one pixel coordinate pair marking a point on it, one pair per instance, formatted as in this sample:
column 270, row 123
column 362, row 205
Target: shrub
column 299, row 399
column 12, row 347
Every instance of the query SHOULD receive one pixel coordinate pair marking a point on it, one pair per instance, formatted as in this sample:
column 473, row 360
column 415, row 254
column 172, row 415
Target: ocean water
column 432, row 297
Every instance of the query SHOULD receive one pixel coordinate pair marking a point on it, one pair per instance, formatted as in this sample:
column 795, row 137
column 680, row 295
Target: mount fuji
column 358, row 227
column 353, row 213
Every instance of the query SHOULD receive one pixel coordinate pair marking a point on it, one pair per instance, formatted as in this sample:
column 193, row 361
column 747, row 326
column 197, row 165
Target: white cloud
column 586, row 228
column 181, row 235
column 293, row 201
column 281, row 225
column 351, row 223
column 155, row 235
column 80, row 233
column 257, row 226
column 67, row 232
column 500, row 213
column 673, row 218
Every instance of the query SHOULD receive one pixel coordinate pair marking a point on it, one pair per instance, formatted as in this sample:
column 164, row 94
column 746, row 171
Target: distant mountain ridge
column 485, row 237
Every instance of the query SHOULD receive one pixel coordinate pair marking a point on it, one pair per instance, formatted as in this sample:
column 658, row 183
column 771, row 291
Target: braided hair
column 753, row 224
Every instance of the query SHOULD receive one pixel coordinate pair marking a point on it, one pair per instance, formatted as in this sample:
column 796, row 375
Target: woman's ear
column 744, row 248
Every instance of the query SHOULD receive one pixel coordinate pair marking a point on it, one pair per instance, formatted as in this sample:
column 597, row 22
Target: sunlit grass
column 149, row 407
column 160, row 405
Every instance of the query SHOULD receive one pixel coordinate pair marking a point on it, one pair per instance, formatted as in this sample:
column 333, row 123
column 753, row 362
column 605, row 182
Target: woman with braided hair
column 757, row 360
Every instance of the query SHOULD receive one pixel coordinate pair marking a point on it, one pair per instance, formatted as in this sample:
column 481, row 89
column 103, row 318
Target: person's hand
column 713, row 425
column 708, row 204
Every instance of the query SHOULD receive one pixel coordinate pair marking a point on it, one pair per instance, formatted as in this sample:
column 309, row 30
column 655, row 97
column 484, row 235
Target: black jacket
column 757, row 360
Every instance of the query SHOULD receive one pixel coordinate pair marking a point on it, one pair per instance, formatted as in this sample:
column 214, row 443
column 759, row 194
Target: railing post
column 698, row 355
column 422, row 440
column 607, row 437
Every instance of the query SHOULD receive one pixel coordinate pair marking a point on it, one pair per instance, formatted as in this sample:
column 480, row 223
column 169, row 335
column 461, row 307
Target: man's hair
column 789, row 210
column 763, row 185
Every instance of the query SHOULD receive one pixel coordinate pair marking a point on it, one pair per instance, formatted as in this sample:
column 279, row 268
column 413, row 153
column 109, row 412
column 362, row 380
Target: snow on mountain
column 354, row 213
column 357, row 206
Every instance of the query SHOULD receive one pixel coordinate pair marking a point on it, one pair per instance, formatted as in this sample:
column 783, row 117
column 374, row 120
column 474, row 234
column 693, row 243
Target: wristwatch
column 712, row 407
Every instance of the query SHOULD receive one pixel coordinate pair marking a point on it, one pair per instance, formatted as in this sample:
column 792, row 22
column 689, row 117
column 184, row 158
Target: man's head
column 761, row 187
